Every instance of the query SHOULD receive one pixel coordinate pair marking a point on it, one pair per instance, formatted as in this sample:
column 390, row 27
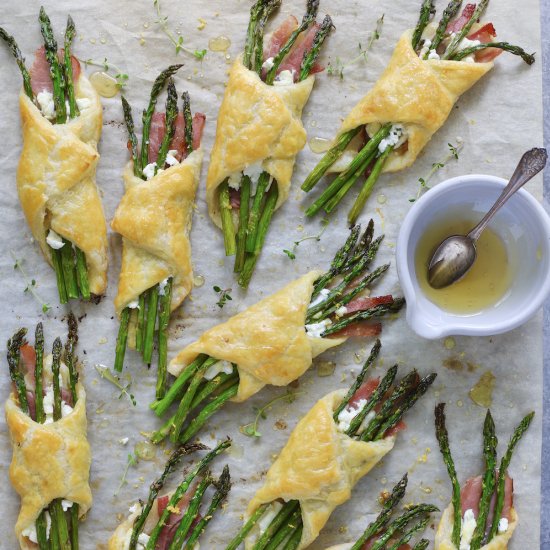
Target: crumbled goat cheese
column 171, row 159
column 83, row 103
column 347, row 415
column 254, row 171
column 316, row 329
column 284, row 78
column 66, row 504
column 502, row 525
column 425, row 48
column 220, row 366
column 30, row 531
column 395, row 138
column 268, row 63
column 48, row 406
column 467, row 529
column 234, row 181
column 149, row 170
column 54, row 240
column 47, row 106
column 134, row 508
column 162, row 287
column 433, row 55
column 124, row 440
column 133, row 305
column 341, row 311
column 142, row 541
column 320, row 298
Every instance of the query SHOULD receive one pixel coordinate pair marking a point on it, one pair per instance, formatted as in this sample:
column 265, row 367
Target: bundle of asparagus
column 481, row 514
column 429, row 70
column 275, row 341
column 339, row 441
column 154, row 219
column 173, row 521
column 62, row 120
column 259, row 129
column 46, row 416
column 383, row 533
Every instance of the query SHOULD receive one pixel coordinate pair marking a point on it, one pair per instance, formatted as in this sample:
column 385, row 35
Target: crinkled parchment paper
column 498, row 119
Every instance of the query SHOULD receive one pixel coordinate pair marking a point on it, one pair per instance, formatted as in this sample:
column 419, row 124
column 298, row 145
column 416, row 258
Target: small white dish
column 524, row 227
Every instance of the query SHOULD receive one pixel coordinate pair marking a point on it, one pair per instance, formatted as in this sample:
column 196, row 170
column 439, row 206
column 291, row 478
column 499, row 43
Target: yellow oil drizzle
column 104, row 84
column 319, row 145
column 219, row 44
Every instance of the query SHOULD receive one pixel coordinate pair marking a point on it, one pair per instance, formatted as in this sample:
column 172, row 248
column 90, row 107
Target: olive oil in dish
column 484, row 285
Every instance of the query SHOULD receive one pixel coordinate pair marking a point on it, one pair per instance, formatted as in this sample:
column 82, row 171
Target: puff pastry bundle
column 275, row 341
column 61, row 121
column 46, row 418
column 386, row 532
column 431, row 67
column 175, row 521
column 259, row 131
column 338, row 442
column 481, row 514
column 154, row 219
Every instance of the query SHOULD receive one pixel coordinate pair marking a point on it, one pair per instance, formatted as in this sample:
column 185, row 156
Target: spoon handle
column 529, row 166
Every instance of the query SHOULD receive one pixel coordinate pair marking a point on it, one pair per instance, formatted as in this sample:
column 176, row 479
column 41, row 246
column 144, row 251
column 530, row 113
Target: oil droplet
column 381, row 199
column 92, row 40
column 325, row 368
column 482, row 393
column 104, row 84
column 145, row 450
column 202, row 24
column 103, row 40
column 198, row 281
column 219, row 44
column 459, row 403
column 319, row 145
column 449, row 343
column 146, row 25
column 313, row 123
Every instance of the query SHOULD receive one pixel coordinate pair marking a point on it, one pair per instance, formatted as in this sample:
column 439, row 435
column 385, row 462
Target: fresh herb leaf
column 132, row 460
column 111, row 69
column 251, row 429
column 292, row 253
column 289, row 253
column 223, row 294
column 30, row 286
column 105, row 372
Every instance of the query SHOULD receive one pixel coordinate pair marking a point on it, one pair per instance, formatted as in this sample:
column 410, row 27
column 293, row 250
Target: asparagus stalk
column 164, row 319
column 269, row 6
column 56, row 71
column 20, row 60
column 295, row 538
column 244, row 209
column 450, row 11
column 170, row 123
column 38, row 385
column 122, row 338
column 249, row 47
column 152, row 307
column 427, row 11
column 132, row 139
column 140, row 326
column 59, row 276
column 311, row 55
column 286, row 532
column 504, row 463
column 69, row 271
column 490, row 453
column 188, row 122
column 278, row 522
column 14, row 345
column 252, row 520
column 82, row 274
column 420, row 526
column 529, row 58
column 255, row 212
column 158, row 86
column 443, row 440
column 421, row 544
column 227, row 221
column 155, row 488
column 181, row 490
column 223, row 487
column 70, row 33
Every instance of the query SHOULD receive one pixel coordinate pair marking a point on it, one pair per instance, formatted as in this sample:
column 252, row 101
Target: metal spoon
column 457, row 253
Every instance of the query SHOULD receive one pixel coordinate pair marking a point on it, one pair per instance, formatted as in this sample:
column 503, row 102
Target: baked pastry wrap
column 418, row 94
column 257, row 123
column 56, row 180
column 154, row 218
column 445, row 529
column 267, row 341
column 49, row 461
column 319, row 466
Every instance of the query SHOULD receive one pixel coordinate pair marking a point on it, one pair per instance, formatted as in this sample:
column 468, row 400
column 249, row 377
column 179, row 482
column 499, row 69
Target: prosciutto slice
column 169, row 530
column 458, row 24
column 41, row 80
column 470, row 496
column 485, row 34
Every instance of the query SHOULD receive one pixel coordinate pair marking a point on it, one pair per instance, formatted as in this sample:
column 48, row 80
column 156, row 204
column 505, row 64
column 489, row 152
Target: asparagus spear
column 180, row 491
column 188, row 122
column 490, row 453
column 227, row 221
column 295, row 538
column 164, row 319
column 140, row 326
column 529, row 58
column 427, row 11
column 223, row 487
column 122, row 338
column 420, row 526
column 244, row 209
column 20, row 60
column 277, row 522
column 157, row 485
column 56, row 71
column 170, row 123
column 70, row 33
column 39, row 363
column 504, row 463
column 132, row 139
column 158, row 86
column 249, row 47
column 285, row 533
column 152, row 307
column 14, row 345
column 69, row 271
column 450, row 11
column 311, row 55
column 421, row 544
column 59, row 277
column 82, row 274
column 443, row 440
column 269, row 6
column 256, row 515
column 255, row 212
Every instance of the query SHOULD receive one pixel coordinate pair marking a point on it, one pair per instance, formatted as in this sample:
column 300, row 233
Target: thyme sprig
column 105, row 373
column 31, row 284
column 110, row 68
column 291, row 253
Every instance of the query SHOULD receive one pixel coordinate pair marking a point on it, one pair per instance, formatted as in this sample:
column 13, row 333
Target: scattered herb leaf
column 292, row 252
column 251, row 429
column 223, row 294
column 132, row 460
column 31, row 286
column 111, row 69
column 105, row 372
column 339, row 66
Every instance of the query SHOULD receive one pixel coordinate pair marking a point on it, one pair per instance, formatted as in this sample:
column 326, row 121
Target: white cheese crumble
column 83, row 103
column 316, row 329
column 134, row 508
column 171, row 159
column 254, row 171
column 142, row 541
column 220, row 366
column 502, row 525
column 467, row 529
column 433, row 55
column 341, row 311
column 47, row 106
column 425, row 48
column 234, row 181
column 48, row 406
column 347, row 415
column 66, row 504
column 54, row 240
column 133, row 305
column 124, row 440
column 320, row 298
column 30, row 531
column 162, row 287
column 268, row 63
column 464, row 44
column 149, row 170
column 395, row 138
column 284, row 78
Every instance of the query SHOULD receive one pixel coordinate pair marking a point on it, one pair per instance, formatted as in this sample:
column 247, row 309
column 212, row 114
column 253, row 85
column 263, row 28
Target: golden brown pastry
column 445, row 528
column 319, row 466
column 154, row 219
column 267, row 342
column 266, row 118
column 418, row 94
column 56, row 180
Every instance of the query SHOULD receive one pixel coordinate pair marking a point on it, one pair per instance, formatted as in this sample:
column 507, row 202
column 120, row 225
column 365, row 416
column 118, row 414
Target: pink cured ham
column 280, row 36
column 361, row 329
column 169, row 530
column 485, row 34
column 360, row 304
column 470, row 496
column 41, row 80
column 458, row 24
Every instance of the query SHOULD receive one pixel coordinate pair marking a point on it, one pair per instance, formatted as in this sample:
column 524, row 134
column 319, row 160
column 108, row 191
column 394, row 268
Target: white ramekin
column 524, row 227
